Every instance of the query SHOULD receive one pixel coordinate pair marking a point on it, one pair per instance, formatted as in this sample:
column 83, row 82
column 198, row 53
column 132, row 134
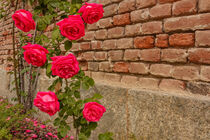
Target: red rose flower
column 72, row 27
column 35, row 54
column 93, row 111
column 91, row 12
column 65, row 66
column 47, row 102
column 23, row 20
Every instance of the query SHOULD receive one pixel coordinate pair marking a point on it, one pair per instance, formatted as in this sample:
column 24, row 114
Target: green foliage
column 105, row 136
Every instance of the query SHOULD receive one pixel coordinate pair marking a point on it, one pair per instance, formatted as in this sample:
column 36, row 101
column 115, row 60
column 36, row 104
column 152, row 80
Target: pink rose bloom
column 23, row 20
column 35, row 54
column 47, row 102
column 34, row 136
column 50, row 134
column 65, row 66
column 43, row 126
column 72, row 27
column 8, row 118
column 93, row 111
column 72, row 138
column 28, row 131
column 29, row 35
column 91, row 12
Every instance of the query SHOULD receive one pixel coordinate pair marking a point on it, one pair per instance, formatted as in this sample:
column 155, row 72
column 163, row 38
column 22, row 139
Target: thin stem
column 77, row 129
column 36, row 80
column 14, row 58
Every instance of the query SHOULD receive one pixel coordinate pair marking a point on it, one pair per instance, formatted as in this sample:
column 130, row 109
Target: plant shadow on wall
column 35, row 51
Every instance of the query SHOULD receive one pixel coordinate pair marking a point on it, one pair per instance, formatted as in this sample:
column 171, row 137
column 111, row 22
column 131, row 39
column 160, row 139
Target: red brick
column 184, row 7
column 187, row 23
column 129, row 80
column 145, row 3
column 85, row 46
column 101, row 34
column 185, row 73
column 105, row 66
column 161, row 70
column 98, row 76
column 205, row 73
column 121, row 67
column 132, row 55
column 182, row 40
column 160, row 11
column 144, row 42
column 105, row 23
column 172, row 85
column 152, row 55
column 202, row 38
column 199, row 55
column 122, row 19
column 174, row 55
column 139, row 68
column 100, row 56
column 161, row 41
column 125, row 43
column 148, row 83
column 140, row 15
column 116, row 32
column 93, row 66
column 116, row 55
column 93, row 26
column 110, row 10
column 75, row 47
column 204, row 5
column 89, row 35
column 167, row 1
column 87, row 56
column 132, row 30
column 126, row 6
column 152, row 27
column 104, row 2
column 109, row 44
column 83, row 65
column 111, row 77
column 96, row 45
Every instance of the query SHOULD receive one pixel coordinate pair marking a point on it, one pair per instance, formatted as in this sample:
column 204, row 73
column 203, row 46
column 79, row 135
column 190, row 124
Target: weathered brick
column 182, row 40
column 93, row 66
column 172, row 85
column 201, row 88
column 185, row 73
column 104, row 2
column 85, row 46
column 132, row 55
column 152, row 55
column 140, row 15
column 204, row 5
column 93, row 26
column 126, row 6
column 101, row 34
column 96, row 45
column 123, row 19
column 152, row 27
column 188, row 23
column 125, row 43
column 110, row 10
column 83, row 65
column 116, row 32
column 144, row 42
column 184, row 7
column 100, row 56
column 115, row 55
column 132, row 30
column 89, row 35
column 166, row 1
column 174, row 55
column 202, row 38
column 199, row 55
column 87, row 56
column 121, row 67
column 88, row 73
column 148, row 83
column 161, row 41
column 109, row 44
column 105, row 23
column 75, row 47
column 98, row 76
column 105, row 66
column 161, row 70
column 160, row 11
column 205, row 73
column 112, row 77
column 138, row 68
column 129, row 80
column 145, row 3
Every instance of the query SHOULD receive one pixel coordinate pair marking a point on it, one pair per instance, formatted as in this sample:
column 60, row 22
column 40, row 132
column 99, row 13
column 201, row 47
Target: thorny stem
column 14, row 58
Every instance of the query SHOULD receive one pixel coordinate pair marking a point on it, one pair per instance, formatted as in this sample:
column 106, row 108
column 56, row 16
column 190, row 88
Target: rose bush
column 23, row 20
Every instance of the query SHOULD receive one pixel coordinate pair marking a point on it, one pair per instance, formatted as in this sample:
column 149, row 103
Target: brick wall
column 151, row 44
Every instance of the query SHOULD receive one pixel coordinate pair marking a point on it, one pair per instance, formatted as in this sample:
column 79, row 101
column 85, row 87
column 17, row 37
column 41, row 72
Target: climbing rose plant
column 40, row 51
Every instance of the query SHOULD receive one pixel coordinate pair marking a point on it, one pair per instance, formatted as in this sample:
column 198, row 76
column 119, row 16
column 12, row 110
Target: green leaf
column 97, row 96
column 93, row 125
column 105, row 136
column 91, row 82
column 48, row 71
column 77, row 94
column 55, row 34
column 67, row 45
column 82, row 137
